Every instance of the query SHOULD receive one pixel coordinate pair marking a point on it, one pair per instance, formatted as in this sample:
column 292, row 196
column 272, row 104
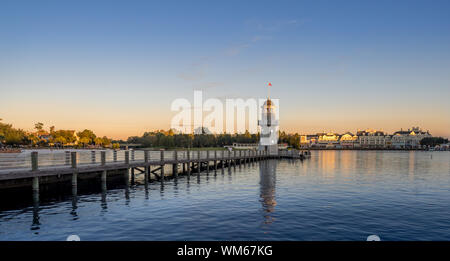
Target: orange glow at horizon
column 123, row 125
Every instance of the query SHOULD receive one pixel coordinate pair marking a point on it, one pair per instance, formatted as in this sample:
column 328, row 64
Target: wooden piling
column 162, row 164
column 35, row 184
column 73, row 159
column 132, row 176
column 175, row 165
column 103, row 157
column 207, row 161
column 215, row 160
column 199, row 163
column 103, row 179
column 127, row 163
column 188, row 162
column 34, row 161
column 147, row 167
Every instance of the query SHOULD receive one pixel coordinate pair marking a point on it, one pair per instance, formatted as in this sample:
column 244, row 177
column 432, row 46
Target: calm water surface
column 336, row 195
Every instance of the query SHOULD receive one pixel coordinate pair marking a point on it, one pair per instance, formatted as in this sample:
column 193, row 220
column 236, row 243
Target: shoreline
column 371, row 149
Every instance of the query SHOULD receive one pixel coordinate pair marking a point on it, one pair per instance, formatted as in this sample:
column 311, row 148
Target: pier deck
column 73, row 163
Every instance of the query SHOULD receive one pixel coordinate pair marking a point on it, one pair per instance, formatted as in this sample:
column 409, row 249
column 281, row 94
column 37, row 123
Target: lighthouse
column 269, row 127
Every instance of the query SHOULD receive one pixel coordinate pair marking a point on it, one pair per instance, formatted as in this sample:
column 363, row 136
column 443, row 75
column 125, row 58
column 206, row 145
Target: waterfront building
column 373, row 139
column 368, row 139
column 409, row 139
column 349, row 141
column 307, row 141
column 328, row 140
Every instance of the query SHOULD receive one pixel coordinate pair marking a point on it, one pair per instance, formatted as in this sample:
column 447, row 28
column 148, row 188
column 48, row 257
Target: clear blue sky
column 334, row 65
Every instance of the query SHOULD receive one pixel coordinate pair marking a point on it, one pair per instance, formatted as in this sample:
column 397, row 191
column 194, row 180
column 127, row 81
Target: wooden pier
column 151, row 164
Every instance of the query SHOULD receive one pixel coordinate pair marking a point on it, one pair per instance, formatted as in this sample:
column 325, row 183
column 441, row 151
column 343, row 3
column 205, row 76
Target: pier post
column 115, row 155
column 215, row 160
column 132, row 175
column 162, row 164
column 147, row 167
column 188, row 162
column 229, row 159
column 35, row 188
column 199, row 163
column 240, row 159
column 207, row 161
column 73, row 158
column 103, row 157
column 127, row 172
column 92, row 156
column 35, row 184
column 127, row 157
column 175, row 165
column 132, row 155
column 34, row 161
column 103, row 179
column 248, row 155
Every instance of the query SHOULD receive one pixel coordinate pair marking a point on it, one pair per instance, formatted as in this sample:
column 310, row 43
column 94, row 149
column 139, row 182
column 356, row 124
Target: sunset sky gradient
column 116, row 66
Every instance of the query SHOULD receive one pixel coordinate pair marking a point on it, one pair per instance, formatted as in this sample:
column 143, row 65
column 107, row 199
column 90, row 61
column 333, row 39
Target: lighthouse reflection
column 267, row 183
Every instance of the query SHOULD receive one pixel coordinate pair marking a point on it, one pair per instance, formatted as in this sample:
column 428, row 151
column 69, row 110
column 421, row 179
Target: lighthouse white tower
column 269, row 128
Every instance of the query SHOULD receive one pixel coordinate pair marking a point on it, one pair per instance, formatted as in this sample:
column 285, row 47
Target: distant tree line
column 433, row 141
column 10, row 136
column 164, row 139
column 169, row 139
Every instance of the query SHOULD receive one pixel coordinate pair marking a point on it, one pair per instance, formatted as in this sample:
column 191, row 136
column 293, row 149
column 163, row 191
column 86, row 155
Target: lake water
column 335, row 195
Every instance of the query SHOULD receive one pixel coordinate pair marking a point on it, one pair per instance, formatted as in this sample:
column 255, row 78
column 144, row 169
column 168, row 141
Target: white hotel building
column 366, row 139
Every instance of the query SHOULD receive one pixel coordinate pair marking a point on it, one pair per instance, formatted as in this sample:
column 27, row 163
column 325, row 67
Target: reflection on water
column 35, row 224
column 74, row 203
column 267, row 174
column 336, row 195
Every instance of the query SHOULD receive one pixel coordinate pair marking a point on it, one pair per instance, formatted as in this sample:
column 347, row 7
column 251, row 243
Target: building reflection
column 267, row 183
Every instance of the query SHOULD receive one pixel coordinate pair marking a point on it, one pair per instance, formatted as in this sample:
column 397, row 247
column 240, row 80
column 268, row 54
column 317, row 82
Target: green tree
column 105, row 141
column 84, row 141
column 433, row 141
column 98, row 141
column 12, row 136
column 86, row 137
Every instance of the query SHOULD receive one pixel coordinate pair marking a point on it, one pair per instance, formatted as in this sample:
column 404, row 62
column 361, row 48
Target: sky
column 116, row 66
